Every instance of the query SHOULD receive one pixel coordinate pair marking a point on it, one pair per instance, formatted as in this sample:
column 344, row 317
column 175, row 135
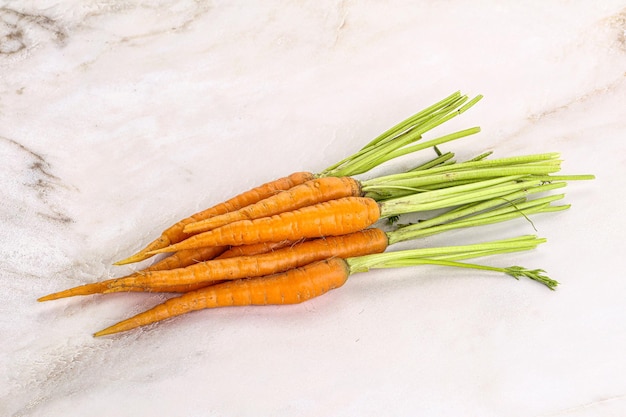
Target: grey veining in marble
column 119, row 117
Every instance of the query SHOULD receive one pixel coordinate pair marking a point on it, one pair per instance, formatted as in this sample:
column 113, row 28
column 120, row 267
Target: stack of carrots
column 303, row 235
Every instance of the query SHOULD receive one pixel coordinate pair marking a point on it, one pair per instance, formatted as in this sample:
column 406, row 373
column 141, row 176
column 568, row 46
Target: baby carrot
column 354, row 244
column 103, row 287
column 331, row 218
column 309, row 193
column 175, row 233
column 315, row 279
column 255, row 249
column 372, row 155
column 185, row 258
column 176, row 260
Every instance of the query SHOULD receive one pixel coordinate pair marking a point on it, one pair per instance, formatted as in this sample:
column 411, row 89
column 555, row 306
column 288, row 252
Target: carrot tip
column 138, row 257
column 54, row 296
column 109, row 330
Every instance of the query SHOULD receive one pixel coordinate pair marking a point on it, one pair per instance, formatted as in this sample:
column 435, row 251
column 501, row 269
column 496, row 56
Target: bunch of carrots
column 303, row 235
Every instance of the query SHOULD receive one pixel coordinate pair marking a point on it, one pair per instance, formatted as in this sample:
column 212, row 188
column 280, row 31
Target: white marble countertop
column 117, row 118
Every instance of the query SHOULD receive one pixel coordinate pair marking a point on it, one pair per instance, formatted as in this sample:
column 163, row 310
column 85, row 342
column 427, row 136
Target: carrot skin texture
column 185, row 258
column 258, row 248
column 202, row 274
column 291, row 287
column 175, row 234
column 306, row 194
column 103, row 288
column 330, row 218
column 179, row 259
column 359, row 243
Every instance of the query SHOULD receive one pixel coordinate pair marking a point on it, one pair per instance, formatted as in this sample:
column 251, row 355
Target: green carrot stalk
column 484, row 212
column 393, row 143
column 450, row 256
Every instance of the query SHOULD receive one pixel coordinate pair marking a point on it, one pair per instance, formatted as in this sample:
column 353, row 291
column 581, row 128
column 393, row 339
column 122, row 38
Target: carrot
column 311, row 192
column 355, row 244
column 301, row 284
column 331, row 218
column 255, row 249
column 185, row 258
column 102, row 287
column 290, row 287
column 372, row 155
column 175, row 233
column 176, row 260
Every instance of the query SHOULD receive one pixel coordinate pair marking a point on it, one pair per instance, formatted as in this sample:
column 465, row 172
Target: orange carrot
column 355, row 244
column 175, row 234
column 331, row 218
column 185, row 258
column 290, row 287
column 306, row 194
column 103, row 287
column 256, row 249
column 176, row 260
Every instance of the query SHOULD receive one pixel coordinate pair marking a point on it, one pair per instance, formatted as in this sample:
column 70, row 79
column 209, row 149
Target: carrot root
column 360, row 243
column 311, row 192
column 290, row 287
column 175, row 234
column 331, row 218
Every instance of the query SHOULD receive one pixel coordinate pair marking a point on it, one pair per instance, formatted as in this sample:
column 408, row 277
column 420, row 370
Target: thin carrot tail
column 360, row 243
column 290, row 287
column 183, row 288
column 256, row 249
column 87, row 289
column 175, row 234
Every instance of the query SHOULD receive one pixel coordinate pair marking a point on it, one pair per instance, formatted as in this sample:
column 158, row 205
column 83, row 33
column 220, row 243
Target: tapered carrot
column 354, row 244
column 185, row 258
column 301, row 284
column 331, row 218
column 291, row 287
column 176, row 260
column 255, row 249
column 306, row 194
column 175, row 233
column 103, row 287
column 372, row 155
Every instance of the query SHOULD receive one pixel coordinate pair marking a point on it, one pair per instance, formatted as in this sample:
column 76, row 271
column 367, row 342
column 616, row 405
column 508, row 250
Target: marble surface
column 119, row 117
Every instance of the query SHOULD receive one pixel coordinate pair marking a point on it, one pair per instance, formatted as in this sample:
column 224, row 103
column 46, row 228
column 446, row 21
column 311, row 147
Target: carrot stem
column 378, row 151
column 483, row 212
column 411, row 121
column 438, row 161
column 448, row 256
column 454, row 196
